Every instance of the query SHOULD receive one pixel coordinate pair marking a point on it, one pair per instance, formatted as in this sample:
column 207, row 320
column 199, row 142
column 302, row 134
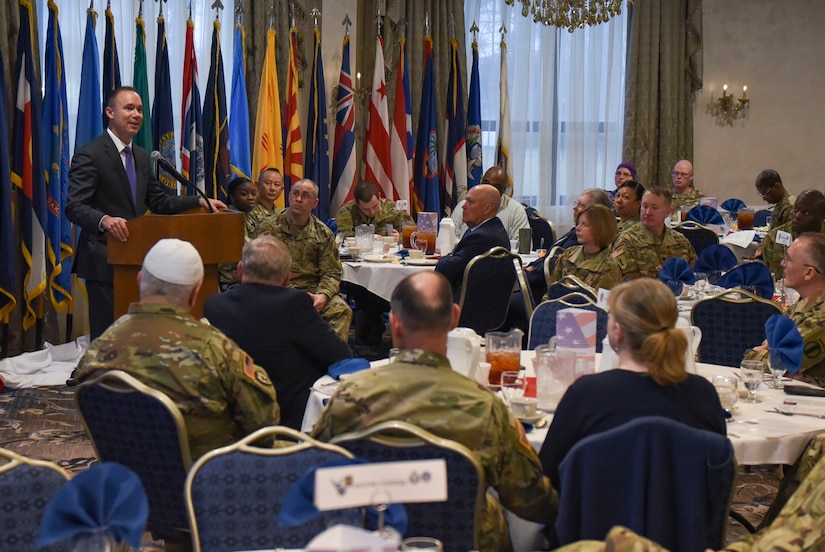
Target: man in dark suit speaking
column 277, row 325
column 110, row 181
column 484, row 232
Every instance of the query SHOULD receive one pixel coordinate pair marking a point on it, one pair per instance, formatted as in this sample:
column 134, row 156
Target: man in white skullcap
column 222, row 394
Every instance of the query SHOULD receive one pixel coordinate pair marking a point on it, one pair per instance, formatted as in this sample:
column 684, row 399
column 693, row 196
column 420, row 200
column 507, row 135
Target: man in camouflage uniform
column 684, row 190
column 804, row 266
column 642, row 249
column 222, row 395
column 315, row 265
column 770, row 188
column 270, row 187
column 419, row 387
column 369, row 208
column 808, row 216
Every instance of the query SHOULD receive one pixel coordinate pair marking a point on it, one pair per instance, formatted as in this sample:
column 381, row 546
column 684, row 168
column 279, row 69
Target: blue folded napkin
column 732, row 205
column 784, row 342
column 347, row 366
column 298, row 505
column 107, row 497
column 753, row 277
column 677, row 270
column 715, row 257
column 704, row 215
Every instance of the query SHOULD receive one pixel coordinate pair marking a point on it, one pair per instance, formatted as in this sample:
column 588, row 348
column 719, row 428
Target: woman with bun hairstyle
column 651, row 379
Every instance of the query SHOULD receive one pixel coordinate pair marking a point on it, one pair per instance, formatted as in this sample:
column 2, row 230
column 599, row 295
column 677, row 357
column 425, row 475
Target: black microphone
column 173, row 172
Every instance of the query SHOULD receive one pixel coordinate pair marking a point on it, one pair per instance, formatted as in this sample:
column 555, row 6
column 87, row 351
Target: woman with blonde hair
column 590, row 261
column 651, row 379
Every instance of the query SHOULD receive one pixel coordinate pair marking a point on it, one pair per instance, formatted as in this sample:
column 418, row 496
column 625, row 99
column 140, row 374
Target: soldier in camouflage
column 221, row 393
column 369, row 208
column 684, row 191
column 270, row 188
column 804, row 266
column 642, row 249
column 315, row 265
column 808, row 216
column 243, row 196
column 770, row 188
column 419, row 387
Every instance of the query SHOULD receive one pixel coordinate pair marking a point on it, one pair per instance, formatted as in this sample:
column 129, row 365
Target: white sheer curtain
column 72, row 19
column 566, row 103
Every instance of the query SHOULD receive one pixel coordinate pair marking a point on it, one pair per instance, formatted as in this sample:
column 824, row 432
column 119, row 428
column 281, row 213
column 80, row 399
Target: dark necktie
column 130, row 172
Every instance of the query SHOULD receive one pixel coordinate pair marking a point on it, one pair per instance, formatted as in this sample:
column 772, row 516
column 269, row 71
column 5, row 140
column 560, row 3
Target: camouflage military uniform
column 315, row 265
column 257, row 215
column 228, row 272
column 809, row 317
column 690, row 198
column 618, row 539
column 350, row 216
column 626, row 224
column 222, row 395
column 772, row 252
column 422, row 389
column 783, row 211
column 597, row 271
column 639, row 253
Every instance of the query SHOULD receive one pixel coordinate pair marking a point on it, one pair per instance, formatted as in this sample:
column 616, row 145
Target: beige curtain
column 664, row 72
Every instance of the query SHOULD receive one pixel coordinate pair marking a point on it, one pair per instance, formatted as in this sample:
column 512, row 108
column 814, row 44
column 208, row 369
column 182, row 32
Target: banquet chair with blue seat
column 235, row 494
column 699, row 236
column 666, row 481
column 543, row 321
column 569, row 284
column 489, row 280
column 142, row 428
column 26, row 487
column 731, row 323
column 760, row 218
column 454, row 522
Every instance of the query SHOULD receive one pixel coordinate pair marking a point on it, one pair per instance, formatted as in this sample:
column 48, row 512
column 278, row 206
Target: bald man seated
column 484, row 231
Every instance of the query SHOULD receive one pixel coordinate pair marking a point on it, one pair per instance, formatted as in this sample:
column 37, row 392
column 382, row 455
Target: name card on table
column 783, row 238
column 358, row 485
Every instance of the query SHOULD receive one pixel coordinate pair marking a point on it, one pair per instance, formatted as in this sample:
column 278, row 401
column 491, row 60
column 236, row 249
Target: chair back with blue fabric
column 544, row 232
column 26, row 487
column 665, row 480
column 543, row 321
column 731, row 323
column 760, row 218
column 454, row 522
column 486, row 289
column 130, row 423
column 699, row 236
column 754, row 277
column 569, row 284
column 234, row 493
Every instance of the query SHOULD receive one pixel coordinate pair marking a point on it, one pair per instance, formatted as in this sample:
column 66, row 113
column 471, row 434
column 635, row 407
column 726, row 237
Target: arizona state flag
column 27, row 166
column 269, row 149
column 293, row 144
column 216, row 140
column 56, row 157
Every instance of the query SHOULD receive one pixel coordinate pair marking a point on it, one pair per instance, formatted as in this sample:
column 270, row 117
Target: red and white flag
column 377, row 166
column 402, row 144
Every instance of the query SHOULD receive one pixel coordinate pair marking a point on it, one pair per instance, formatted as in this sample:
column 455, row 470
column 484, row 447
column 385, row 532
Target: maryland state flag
column 293, row 144
column 268, row 152
column 163, row 125
column 56, row 156
column 216, row 140
column 27, row 167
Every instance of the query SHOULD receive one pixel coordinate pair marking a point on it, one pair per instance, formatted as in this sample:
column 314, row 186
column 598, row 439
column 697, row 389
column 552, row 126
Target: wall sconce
column 727, row 108
column 360, row 93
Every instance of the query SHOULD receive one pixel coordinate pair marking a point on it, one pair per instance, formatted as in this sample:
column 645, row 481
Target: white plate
column 532, row 419
column 422, row 262
column 379, row 258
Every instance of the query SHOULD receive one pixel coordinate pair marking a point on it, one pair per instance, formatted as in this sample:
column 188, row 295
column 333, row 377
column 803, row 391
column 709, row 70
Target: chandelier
column 570, row 14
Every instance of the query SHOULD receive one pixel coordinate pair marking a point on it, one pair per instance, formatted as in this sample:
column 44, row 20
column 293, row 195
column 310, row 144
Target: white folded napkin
column 743, row 238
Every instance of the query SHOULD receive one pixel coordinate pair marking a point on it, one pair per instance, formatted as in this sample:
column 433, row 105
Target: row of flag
column 214, row 148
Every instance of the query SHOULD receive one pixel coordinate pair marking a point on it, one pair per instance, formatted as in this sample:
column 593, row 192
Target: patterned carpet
column 44, row 424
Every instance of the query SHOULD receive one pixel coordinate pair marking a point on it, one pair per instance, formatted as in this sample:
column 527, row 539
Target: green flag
column 141, row 84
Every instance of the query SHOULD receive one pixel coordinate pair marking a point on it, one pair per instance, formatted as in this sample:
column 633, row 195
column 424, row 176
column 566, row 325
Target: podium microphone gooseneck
column 173, row 172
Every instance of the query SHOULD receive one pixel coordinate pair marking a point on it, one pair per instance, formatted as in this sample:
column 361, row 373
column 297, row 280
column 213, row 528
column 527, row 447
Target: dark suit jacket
column 284, row 334
column 481, row 239
column 98, row 186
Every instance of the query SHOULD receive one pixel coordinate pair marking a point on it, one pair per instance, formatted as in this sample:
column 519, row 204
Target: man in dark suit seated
column 277, row 325
column 484, row 232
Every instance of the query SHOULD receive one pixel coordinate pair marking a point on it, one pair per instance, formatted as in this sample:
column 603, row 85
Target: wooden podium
column 218, row 237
